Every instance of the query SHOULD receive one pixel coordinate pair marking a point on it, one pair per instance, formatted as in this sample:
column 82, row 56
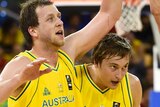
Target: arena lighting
column 3, row 13
column 4, row 3
column 77, row 3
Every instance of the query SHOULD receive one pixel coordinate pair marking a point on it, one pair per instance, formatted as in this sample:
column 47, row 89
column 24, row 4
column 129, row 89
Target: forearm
column 103, row 22
column 7, row 87
column 157, row 18
column 113, row 7
column 155, row 6
column 95, row 30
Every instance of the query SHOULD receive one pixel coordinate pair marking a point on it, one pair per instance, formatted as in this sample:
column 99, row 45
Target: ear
column 95, row 64
column 32, row 31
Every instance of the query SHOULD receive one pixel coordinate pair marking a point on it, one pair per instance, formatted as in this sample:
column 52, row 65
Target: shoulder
column 136, row 89
column 14, row 66
column 134, row 83
column 18, row 61
column 133, row 80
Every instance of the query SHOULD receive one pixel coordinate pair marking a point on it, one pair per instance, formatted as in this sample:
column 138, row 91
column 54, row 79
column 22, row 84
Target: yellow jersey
column 55, row 89
column 93, row 96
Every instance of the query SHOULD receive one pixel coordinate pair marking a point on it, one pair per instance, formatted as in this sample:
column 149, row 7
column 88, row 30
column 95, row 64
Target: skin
column 155, row 6
column 47, row 41
column 22, row 77
column 115, row 69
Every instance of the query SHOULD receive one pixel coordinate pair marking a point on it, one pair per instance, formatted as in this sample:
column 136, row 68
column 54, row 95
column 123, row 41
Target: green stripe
column 68, row 60
column 81, row 79
column 33, row 94
column 93, row 83
column 55, row 69
column 75, row 71
column 70, row 72
column 128, row 91
column 21, row 93
column 123, row 95
column 66, row 56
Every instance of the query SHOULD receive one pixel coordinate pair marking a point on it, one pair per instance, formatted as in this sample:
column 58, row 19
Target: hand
column 31, row 71
column 132, row 2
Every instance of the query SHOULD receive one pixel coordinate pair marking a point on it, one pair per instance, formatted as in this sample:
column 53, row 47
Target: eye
column 59, row 16
column 125, row 68
column 50, row 19
column 114, row 67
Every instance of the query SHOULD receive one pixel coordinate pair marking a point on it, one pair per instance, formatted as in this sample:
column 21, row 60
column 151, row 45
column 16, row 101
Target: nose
column 119, row 75
column 59, row 22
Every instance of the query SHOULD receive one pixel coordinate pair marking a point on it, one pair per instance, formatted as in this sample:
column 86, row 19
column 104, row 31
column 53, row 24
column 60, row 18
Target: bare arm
column 82, row 41
column 155, row 6
column 136, row 90
column 11, row 79
column 8, row 86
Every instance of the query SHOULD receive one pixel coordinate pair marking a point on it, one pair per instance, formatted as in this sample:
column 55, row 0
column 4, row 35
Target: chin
column 62, row 43
column 113, row 87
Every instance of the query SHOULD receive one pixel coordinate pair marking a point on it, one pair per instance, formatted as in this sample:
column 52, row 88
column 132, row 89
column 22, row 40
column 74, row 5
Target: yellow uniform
column 55, row 89
column 95, row 97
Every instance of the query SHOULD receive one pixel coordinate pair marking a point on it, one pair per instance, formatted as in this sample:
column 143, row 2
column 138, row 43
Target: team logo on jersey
column 69, row 81
column 46, row 92
column 116, row 104
column 102, row 106
column 60, row 87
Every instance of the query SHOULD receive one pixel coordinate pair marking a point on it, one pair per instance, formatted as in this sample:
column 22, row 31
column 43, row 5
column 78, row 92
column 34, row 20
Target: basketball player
column 106, row 82
column 42, row 27
column 26, row 75
column 155, row 6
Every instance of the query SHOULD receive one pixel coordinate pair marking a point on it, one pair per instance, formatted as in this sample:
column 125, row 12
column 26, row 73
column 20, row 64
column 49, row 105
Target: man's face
column 50, row 29
column 112, row 71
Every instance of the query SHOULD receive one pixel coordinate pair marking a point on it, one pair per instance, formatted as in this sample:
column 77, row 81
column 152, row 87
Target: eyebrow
column 51, row 14
column 117, row 64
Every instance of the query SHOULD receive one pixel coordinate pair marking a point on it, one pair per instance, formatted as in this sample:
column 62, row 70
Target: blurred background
column 134, row 24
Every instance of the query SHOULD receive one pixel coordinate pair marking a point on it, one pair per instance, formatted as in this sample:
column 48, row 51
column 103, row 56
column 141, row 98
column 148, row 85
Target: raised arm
column 82, row 41
column 155, row 9
column 15, row 80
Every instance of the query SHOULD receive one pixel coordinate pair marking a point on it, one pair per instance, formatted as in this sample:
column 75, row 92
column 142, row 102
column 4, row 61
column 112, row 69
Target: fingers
column 45, row 71
column 39, row 61
column 132, row 2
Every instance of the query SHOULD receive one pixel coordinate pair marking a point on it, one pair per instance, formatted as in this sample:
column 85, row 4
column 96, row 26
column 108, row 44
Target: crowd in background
column 141, row 65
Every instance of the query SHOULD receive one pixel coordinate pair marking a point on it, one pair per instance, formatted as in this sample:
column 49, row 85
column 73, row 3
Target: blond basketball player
column 42, row 27
column 106, row 82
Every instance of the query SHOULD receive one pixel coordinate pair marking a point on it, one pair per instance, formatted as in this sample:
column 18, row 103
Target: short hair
column 111, row 45
column 28, row 16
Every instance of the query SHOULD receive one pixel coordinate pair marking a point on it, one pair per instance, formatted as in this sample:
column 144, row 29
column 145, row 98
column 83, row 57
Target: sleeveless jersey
column 55, row 89
column 93, row 96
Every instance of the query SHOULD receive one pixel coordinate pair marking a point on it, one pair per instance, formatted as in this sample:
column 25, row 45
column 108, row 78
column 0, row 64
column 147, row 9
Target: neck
column 51, row 55
column 93, row 73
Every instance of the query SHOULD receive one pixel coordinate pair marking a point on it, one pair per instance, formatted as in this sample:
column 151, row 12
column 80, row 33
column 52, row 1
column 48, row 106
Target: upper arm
column 136, row 90
column 14, row 67
column 79, row 43
column 9, row 78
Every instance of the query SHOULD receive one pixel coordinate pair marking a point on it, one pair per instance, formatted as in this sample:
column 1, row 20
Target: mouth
column 115, row 83
column 59, row 33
